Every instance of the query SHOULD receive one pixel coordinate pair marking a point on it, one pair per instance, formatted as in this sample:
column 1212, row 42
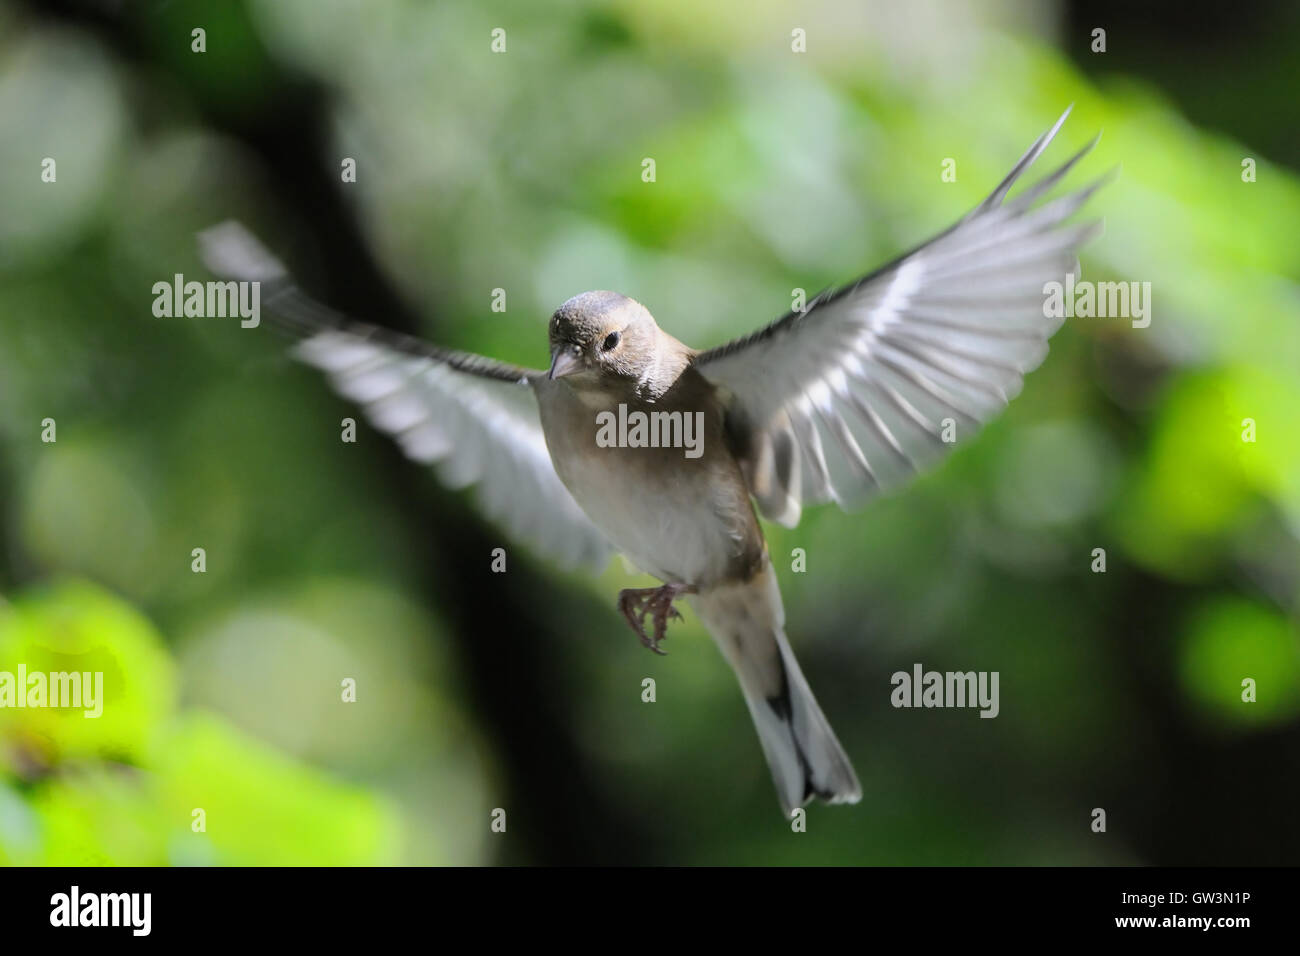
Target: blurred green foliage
column 522, row 171
column 144, row 784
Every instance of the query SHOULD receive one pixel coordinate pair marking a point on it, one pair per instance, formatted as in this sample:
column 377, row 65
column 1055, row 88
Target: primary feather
column 858, row 393
column 472, row 417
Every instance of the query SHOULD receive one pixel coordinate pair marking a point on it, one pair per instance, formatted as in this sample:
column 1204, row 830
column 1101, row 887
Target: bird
column 839, row 401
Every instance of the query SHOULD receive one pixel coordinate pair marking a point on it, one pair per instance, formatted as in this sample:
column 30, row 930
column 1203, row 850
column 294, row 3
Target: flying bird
column 838, row 402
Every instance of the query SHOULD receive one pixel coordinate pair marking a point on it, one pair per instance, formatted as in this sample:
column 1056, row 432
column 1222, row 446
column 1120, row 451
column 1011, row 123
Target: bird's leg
column 636, row 603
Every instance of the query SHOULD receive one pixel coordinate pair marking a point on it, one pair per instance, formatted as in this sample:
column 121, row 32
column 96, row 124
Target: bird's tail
column 747, row 622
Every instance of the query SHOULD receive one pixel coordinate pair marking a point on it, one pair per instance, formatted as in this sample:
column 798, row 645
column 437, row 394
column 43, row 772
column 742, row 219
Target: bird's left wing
column 872, row 383
column 475, row 418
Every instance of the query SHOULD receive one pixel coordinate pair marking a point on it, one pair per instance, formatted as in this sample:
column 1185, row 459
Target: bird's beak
column 566, row 361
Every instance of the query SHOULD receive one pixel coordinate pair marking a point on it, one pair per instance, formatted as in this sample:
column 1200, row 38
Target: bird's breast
column 656, row 478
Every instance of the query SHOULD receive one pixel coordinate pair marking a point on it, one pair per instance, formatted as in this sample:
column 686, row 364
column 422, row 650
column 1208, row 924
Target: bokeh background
column 522, row 171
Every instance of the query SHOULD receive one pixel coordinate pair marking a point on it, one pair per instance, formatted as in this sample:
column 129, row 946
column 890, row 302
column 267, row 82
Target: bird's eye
column 611, row 341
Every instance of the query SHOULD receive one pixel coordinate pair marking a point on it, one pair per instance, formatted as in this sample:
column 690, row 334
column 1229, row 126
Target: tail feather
column 747, row 622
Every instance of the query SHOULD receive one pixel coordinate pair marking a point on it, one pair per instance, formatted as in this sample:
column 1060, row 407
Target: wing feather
column 473, row 418
column 854, row 396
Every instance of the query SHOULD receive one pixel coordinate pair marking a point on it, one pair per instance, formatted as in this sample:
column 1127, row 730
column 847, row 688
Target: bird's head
column 602, row 335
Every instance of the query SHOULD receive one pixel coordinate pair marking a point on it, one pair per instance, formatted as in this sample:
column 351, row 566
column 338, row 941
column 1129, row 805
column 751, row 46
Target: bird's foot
column 656, row 603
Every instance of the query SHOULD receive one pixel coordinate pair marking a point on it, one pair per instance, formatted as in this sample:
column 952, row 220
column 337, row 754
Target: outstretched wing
column 474, row 418
column 870, row 384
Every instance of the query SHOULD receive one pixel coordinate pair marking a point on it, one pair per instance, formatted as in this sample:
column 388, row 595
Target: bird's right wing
column 475, row 418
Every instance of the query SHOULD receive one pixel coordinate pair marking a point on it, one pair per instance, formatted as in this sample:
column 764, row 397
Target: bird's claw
column 656, row 603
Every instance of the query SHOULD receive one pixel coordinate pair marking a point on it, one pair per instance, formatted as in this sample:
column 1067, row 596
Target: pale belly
column 686, row 520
